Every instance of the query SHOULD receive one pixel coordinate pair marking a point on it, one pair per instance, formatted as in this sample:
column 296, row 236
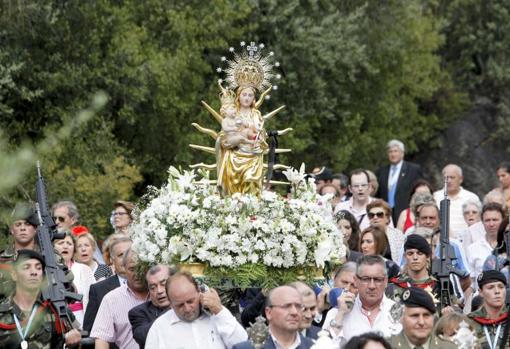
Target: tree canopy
column 355, row 74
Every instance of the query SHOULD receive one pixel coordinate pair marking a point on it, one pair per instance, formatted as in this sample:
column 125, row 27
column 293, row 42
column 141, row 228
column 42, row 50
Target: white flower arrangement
column 186, row 221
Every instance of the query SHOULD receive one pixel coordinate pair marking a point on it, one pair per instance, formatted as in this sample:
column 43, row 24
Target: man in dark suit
column 396, row 180
column 98, row 291
column 142, row 316
column 284, row 312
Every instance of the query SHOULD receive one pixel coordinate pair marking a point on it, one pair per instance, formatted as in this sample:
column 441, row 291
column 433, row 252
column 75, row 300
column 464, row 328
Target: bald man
column 284, row 313
column 458, row 196
column 196, row 320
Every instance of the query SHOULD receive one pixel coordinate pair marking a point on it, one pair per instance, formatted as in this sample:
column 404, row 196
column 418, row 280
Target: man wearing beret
column 26, row 321
column 492, row 317
column 23, row 230
column 418, row 322
column 417, row 257
column 417, row 252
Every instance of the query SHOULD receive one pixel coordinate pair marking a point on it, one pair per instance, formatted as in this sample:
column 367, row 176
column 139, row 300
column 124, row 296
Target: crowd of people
column 386, row 294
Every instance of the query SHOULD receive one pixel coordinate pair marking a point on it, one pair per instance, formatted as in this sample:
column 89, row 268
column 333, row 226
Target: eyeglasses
column 288, row 306
column 359, row 186
column 119, row 213
column 373, row 214
column 59, row 218
column 368, row 280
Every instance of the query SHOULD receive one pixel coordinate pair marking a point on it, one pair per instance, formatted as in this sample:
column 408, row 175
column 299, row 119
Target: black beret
column 415, row 297
column 25, row 212
column 25, row 254
column 490, row 276
column 418, row 242
column 324, row 174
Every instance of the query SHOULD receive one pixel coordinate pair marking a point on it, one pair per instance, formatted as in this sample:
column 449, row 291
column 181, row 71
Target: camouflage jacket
column 7, row 256
column 404, row 281
column 479, row 317
column 42, row 333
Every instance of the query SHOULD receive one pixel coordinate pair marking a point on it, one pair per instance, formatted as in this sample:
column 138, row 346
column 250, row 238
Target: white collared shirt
column 294, row 345
column 356, row 323
column 477, row 253
column 218, row 331
column 457, row 222
column 396, row 173
column 360, row 215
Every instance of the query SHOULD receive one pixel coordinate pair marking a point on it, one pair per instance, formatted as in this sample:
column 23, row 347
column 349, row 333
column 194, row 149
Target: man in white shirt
column 478, row 251
column 357, row 204
column 197, row 319
column 368, row 311
column 457, row 196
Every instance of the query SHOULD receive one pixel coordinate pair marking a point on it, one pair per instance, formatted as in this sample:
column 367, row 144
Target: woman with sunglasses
column 379, row 214
column 83, row 275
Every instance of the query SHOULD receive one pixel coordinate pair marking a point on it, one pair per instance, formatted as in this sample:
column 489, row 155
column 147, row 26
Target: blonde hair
column 89, row 236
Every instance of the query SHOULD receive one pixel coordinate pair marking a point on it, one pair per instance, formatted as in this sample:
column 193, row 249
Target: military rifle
column 55, row 292
column 443, row 266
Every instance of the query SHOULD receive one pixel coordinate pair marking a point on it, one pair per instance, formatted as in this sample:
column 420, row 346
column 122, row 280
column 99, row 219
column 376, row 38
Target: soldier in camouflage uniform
column 23, row 230
column 417, row 253
column 26, row 321
column 492, row 317
column 418, row 322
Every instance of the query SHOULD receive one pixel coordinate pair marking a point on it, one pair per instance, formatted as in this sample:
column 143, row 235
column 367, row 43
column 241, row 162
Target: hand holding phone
column 210, row 300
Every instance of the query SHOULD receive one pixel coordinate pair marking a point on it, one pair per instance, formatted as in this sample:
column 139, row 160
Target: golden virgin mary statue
column 241, row 144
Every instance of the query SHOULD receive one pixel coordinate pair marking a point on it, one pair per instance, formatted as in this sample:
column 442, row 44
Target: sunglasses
column 373, row 214
column 59, row 219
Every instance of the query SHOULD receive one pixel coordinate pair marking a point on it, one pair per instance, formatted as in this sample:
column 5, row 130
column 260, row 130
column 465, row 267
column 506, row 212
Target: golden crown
column 227, row 96
column 250, row 68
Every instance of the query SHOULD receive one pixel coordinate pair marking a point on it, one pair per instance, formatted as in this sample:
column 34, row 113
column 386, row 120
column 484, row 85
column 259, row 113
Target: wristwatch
column 335, row 324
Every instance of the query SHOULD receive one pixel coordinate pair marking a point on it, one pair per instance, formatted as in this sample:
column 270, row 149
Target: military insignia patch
column 406, row 294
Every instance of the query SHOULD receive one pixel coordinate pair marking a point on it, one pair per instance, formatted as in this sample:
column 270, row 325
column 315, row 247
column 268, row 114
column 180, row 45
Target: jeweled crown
column 249, row 68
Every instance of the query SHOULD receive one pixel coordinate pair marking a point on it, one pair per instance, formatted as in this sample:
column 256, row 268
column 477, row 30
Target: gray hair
column 472, row 202
column 424, row 232
column 456, row 167
column 371, row 260
column 115, row 240
column 130, row 255
column 71, row 209
column 302, row 288
column 419, row 199
column 396, row 143
column 349, row 266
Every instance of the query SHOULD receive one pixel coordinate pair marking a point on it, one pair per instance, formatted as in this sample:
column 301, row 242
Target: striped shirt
column 112, row 322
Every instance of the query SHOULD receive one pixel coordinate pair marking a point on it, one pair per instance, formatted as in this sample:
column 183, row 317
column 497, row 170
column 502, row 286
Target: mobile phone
column 203, row 289
column 333, row 296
